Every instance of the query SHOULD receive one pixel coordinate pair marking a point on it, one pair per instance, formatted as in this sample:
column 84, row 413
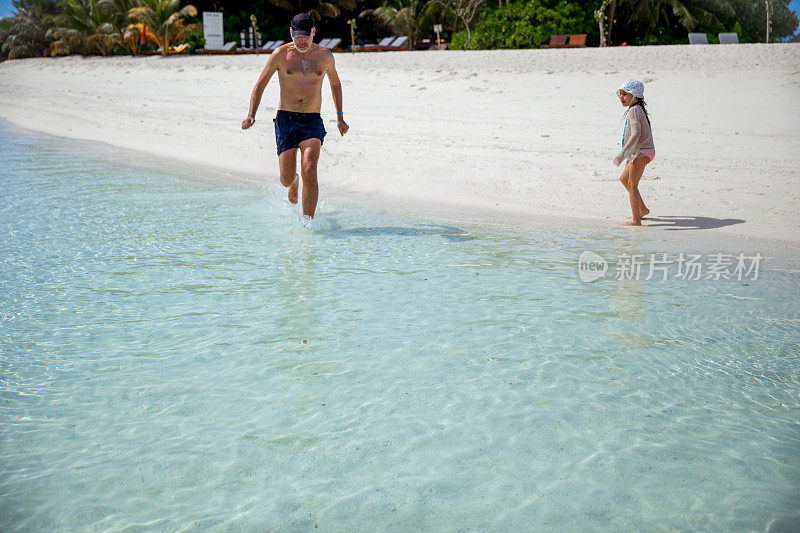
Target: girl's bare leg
column 624, row 178
column 635, row 171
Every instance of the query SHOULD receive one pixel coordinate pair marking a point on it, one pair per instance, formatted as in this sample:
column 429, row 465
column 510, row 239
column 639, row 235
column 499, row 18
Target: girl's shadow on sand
column 684, row 223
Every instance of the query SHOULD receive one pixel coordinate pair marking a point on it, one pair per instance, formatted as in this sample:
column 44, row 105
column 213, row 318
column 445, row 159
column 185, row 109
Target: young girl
column 637, row 146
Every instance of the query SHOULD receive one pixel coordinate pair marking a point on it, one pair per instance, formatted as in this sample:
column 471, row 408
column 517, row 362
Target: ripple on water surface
column 181, row 352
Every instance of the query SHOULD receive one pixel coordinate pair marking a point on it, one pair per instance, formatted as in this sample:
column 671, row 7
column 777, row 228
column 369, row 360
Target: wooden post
column 352, row 23
column 769, row 21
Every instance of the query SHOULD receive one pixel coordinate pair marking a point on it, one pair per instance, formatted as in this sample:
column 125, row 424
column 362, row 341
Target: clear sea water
column 180, row 353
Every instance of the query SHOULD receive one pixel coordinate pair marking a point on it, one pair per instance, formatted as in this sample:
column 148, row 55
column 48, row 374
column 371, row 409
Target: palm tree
column 29, row 31
column 407, row 17
column 316, row 8
column 85, row 27
column 6, row 25
column 690, row 13
column 164, row 20
column 129, row 35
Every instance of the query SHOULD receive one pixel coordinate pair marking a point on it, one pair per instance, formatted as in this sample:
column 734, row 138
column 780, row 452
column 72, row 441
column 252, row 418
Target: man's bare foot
column 632, row 223
column 293, row 188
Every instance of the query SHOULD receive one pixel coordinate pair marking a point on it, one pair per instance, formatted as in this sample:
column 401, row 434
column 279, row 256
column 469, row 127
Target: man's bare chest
column 302, row 67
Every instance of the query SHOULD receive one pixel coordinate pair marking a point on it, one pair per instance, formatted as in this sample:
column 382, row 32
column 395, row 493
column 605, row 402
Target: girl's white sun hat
column 634, row 87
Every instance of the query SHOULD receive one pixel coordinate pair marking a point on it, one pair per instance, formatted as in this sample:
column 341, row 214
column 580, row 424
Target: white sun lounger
column 399, row 43
column 324, row 43
column 276, row 45
column 698, row 38
column 332, row 44
column 728, row 38
column 380, row 47
column 267, row 45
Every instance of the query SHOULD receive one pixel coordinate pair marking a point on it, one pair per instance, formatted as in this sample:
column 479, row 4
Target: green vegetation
column 84, row 27
column 406, row 17
column 30, row 30
column 526, row 24
column 106, row 27
column 165, row 21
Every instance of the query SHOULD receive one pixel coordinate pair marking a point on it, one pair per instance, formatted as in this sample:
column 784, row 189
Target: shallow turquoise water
column 178, row 353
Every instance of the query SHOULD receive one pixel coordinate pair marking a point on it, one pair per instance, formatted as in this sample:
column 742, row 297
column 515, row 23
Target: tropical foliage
column 84, row 27
column 165, row 21
column 128, row 32
column 57, row 27
column 407, row 17
column 690, row 13
column 316, row 8
column 527, row 24
column 29, row 32
column 464, row 12
column 751, row 17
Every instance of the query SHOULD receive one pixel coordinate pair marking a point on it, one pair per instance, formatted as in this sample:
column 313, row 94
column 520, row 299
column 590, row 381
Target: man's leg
column 309, row 150
column 287, row 162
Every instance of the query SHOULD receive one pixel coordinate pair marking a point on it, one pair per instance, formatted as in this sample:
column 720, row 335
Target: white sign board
column 437, row 28
column 212, row 30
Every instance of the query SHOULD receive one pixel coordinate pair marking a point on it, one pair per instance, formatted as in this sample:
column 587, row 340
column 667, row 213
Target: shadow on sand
column 684, row 223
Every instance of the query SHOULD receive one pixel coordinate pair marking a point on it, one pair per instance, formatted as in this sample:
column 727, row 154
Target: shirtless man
column 301, row 66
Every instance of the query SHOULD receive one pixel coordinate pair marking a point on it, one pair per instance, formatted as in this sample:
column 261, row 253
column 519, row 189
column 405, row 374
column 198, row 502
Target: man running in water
column 301, row 66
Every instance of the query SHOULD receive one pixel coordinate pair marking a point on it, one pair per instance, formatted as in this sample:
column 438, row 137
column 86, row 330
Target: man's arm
column 336, row 90
column 258, row 90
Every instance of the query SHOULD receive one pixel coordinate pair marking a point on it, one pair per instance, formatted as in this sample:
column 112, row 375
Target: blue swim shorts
column 293, row 128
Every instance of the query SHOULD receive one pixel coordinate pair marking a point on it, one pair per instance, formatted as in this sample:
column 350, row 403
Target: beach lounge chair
column 229, row 48
column 556, row 41
column 374, row 47
column 698, row 38
column 324, row 43
column 577, row 40
column 180, row 49
column 398, row 44
column 267, row 45
column 276, row 44
column 728, row 38
column 334, row 45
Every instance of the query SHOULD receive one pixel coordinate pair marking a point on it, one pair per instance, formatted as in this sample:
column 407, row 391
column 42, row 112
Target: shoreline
column 782, row 254
column 522, row 160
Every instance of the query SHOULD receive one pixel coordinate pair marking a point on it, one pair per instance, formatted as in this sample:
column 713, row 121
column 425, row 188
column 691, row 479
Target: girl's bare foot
column 293, row 188
column 632, row 223
column 645, row 212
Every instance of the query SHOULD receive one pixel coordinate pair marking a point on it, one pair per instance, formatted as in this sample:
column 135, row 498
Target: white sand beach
column 519, row 133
